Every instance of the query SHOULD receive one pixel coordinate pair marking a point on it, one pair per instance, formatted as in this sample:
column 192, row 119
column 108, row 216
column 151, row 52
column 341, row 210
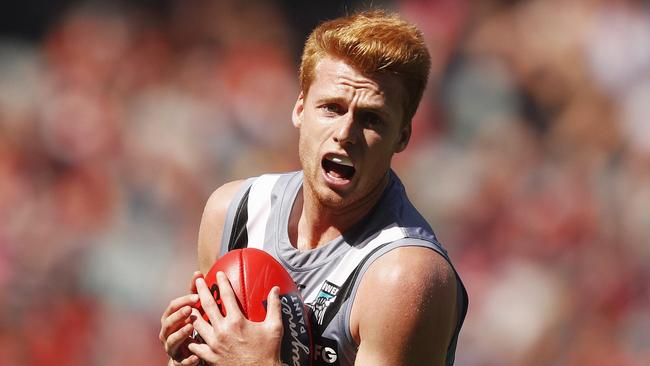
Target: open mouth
column 338, row 166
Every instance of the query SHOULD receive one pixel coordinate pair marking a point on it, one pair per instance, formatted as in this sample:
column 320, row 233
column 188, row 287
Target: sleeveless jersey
column 329, row 276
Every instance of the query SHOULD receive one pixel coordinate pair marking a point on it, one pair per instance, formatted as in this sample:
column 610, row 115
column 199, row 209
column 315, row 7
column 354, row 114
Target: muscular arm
column 212, row 222
column 404, row 312
column 230, row 339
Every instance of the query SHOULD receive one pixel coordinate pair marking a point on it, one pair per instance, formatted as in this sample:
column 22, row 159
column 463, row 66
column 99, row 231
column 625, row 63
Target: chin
column 329, row 198
column 332, row 199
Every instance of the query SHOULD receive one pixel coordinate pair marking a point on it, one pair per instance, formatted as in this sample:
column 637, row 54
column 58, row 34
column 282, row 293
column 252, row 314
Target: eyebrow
column 383, row 112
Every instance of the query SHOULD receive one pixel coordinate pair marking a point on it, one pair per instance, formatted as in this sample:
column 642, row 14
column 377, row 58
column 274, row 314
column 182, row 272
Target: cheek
column 380, row 152
column 314, row 134
column 307, row 136
column 303, row 146
column 377, row 143
column 307, row 149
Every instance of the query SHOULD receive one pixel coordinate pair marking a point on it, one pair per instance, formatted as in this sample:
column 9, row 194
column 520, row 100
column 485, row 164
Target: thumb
column 273, row 309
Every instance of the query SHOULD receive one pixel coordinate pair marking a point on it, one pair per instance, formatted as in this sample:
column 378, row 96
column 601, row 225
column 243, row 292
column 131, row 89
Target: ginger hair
column 373, row 42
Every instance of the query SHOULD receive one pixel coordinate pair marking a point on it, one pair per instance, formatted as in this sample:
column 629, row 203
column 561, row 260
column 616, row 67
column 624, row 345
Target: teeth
column 343, row 160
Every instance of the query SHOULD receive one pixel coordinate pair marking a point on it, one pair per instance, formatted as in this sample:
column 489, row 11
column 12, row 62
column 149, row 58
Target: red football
column 252, row 274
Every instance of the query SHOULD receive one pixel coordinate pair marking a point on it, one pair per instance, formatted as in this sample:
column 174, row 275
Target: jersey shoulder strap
column 248, row 214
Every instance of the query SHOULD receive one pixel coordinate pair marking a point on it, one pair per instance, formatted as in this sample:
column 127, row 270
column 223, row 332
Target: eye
column 332, row 108
column 370, row 119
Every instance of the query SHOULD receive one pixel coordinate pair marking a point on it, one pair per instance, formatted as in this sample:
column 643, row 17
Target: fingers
column 193, row 360
column 203, row 351
column 273, row 320
column 228, row 296
column 176, row 315
column 273, row 307
column 232, row 337
column 173, row 322
column 204, row 328
column 176, row 339
column 195, row 275
column 179, row 302
column 207, row 301
column 176, row 326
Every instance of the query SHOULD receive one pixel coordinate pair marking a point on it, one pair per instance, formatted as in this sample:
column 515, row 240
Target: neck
column 313, row 224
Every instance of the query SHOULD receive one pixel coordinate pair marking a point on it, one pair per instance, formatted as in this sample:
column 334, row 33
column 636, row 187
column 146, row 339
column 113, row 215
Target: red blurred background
column 530, row 157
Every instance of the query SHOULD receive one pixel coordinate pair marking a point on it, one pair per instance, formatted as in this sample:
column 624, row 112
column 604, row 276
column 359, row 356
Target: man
column 380, row 287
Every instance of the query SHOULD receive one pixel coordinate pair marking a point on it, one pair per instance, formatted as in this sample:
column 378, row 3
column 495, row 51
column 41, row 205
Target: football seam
column 242, row 280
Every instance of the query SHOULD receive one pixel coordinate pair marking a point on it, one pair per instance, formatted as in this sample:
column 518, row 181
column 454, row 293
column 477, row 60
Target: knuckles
column 218, row 339
column 274, row 327
column 236, row 322
column 274, row 330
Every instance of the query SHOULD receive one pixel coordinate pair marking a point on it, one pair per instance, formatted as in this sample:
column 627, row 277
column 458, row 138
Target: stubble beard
column 325, row 198
column 320, row 195
column 317, row 193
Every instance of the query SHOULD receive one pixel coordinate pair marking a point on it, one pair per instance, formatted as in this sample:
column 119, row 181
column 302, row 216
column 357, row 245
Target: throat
column 313, row 223
column 310, row 227
column 311, row 236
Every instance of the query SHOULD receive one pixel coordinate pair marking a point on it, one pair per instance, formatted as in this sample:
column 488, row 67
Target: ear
column 298, row 109
column 404, row 137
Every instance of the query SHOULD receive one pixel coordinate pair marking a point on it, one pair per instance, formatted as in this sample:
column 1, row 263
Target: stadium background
column 530, row 157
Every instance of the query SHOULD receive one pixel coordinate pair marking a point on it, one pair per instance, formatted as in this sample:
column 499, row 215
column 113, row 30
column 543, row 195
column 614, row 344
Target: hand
column 233, row 339
column 176, row 327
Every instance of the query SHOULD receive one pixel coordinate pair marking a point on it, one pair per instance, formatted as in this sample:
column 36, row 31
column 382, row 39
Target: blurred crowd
column 530, row 157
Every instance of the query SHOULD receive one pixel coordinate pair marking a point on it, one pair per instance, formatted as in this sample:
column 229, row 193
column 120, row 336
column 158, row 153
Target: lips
column 338, row 167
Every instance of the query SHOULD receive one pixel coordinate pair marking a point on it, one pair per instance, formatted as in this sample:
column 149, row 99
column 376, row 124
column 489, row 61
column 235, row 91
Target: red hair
column 372, row 42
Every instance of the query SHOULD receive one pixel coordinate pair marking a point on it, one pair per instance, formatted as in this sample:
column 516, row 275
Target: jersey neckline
column 306, row 260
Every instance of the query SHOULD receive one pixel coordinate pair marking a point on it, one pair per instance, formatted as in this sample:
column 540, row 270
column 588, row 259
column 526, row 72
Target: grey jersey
column 329, row 276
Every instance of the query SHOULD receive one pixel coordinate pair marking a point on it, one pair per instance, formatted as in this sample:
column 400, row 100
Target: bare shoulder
column 212, row 221
column 404, row 311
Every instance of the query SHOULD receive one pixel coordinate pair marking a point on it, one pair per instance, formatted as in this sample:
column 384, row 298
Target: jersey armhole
column 234, row 210
column 406, row 242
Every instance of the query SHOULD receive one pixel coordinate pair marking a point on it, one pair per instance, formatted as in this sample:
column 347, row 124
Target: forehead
column 335, row 77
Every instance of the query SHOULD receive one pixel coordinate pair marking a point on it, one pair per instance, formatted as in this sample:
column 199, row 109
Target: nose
column 346, row 130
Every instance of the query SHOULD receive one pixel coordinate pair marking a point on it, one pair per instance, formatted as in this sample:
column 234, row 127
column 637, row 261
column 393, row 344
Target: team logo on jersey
column 325, row 298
